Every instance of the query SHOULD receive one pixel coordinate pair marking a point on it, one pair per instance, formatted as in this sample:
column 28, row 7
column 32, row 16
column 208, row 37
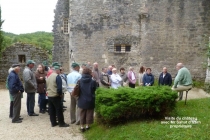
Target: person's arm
column 178, row 78
column 159, row 80
column 114, row 79
column 126, row 78
column 21, row 86
column 103, row 81
column 59, row 85
column 119, row 78
column 27, row 78
column 38, row 79
column 94, row 86
column 13, row 84
column 169, row 80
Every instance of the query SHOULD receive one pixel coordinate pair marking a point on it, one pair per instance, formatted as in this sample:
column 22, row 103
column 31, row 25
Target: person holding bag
column 86, row 100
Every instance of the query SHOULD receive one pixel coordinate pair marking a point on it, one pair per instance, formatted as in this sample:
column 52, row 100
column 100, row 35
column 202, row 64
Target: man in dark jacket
column 165, row 78
column 16, row 90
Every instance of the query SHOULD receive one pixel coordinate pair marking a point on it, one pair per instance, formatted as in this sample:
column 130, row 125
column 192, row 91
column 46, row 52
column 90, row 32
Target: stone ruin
column 20, row 53
column 152, row 33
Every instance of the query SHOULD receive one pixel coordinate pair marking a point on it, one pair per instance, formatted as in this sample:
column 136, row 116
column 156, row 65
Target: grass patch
column 154, row 130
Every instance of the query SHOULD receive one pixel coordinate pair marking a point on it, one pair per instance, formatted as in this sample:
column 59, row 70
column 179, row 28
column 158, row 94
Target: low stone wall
column 20, row 53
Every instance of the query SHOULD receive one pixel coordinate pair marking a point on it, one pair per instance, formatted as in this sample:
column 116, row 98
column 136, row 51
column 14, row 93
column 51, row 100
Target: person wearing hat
column 148, row 79
column 115, row 79
column 45, row 64
column 72, row 79
column 16, row 89
column 55, row 94
column 30, row 87
column 51, row 69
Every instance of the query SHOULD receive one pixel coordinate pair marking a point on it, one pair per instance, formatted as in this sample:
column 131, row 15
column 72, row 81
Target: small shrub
column 117, row 105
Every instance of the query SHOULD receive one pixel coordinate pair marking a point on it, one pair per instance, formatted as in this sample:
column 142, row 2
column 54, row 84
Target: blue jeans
column 43, row 101
column 30, row 103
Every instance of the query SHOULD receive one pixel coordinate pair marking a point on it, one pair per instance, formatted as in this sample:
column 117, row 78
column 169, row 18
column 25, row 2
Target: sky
column 27, row 16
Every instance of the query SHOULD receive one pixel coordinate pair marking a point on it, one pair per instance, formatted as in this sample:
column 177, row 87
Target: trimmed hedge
column 117, row 105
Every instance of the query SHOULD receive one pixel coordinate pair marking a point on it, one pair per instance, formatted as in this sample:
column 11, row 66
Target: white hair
column 130, row 68
column 10, row 69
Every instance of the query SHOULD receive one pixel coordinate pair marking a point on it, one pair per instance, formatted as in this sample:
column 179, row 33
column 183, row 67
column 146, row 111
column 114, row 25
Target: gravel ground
column 32, row 127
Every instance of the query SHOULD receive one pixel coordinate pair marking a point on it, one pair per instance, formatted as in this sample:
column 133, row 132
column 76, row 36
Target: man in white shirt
column 115, row 79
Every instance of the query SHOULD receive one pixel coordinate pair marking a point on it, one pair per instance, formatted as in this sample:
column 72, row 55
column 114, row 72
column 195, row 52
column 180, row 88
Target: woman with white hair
column 131, row 77
column 115, row 79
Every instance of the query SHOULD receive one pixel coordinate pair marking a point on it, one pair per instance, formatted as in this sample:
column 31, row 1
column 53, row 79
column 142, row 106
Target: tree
column 1, row 34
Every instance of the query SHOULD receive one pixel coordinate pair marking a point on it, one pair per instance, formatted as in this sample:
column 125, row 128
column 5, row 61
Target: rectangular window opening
column 122, row 48
column 21, row 58
column 65, row 26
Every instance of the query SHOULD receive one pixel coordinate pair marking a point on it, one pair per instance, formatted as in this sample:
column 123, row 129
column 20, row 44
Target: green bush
column 123, row 104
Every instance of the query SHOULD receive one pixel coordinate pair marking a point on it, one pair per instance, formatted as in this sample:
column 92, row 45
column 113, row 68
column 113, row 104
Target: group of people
column 52, row 84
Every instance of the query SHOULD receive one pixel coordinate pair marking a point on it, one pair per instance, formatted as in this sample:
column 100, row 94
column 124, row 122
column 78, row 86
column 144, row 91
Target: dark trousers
column 43, row 101
column 55, row 109
column 132, row 85
column 39, row 99
column 11, row 109
column 62, row 100
column 16, row 106
column 30, row 103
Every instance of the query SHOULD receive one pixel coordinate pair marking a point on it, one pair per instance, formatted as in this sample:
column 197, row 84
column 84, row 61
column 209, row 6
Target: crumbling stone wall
column 15, row 55
column 61, row 40
column 160, row 32
column 175, row 32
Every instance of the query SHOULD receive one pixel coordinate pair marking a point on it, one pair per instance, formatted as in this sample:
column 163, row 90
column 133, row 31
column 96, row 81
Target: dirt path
column 34, row 128
column 196, row 93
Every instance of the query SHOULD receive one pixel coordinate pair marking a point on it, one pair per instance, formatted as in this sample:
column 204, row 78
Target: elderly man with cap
column 55, row 94
column 51, row 69
column 72, row 79
column 183, row 80
column 30, row 87
column 16, row 90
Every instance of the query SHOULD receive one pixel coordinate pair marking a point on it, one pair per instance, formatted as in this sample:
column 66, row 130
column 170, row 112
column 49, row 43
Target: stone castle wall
column 19, row 53
column 175, row 32
column 160, row 32
column 61, row 41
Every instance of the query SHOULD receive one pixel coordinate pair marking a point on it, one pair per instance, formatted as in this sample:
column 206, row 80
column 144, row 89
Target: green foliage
column 198, row 84
column 1, row 34
column 40, row 39
column 117, row 105
column 154, row 130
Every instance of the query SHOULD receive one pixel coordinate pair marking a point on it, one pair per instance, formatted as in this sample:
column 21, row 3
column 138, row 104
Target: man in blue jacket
column 16, row 90
column 165, row 78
